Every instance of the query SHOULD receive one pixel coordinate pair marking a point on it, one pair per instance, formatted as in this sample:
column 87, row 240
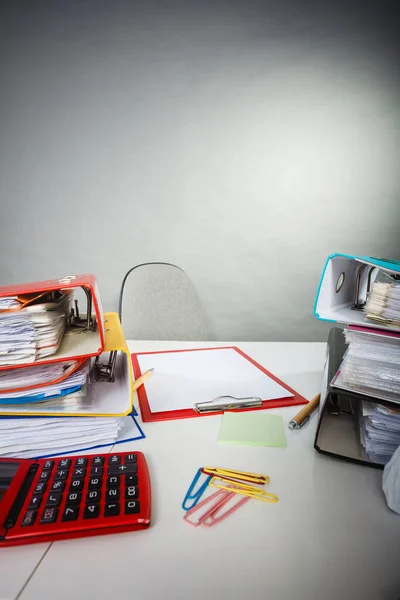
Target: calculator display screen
column 7, row 472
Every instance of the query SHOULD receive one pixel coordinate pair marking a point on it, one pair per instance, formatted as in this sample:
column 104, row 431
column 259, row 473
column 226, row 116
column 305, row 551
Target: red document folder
column 148, row 415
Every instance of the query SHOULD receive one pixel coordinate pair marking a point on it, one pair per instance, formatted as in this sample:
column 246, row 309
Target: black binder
column 338, row 431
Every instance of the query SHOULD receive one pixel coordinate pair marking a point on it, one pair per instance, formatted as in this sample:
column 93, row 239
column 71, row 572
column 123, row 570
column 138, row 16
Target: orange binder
column 82, row 335
column 13, row 384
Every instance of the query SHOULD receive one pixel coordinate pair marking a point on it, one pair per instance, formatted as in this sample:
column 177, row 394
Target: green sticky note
column 252, row 429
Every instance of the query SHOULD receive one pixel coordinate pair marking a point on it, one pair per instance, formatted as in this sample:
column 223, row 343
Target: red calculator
column 67, row 497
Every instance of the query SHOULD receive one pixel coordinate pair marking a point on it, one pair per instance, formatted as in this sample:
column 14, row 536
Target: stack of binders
column 359, row 416
column 65, row 377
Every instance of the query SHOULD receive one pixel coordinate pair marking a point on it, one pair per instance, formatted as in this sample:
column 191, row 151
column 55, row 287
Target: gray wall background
column 244, row 141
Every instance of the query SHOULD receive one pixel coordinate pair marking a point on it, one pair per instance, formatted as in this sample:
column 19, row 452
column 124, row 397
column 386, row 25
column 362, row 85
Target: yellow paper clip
column 230, row 475
column 243, row 489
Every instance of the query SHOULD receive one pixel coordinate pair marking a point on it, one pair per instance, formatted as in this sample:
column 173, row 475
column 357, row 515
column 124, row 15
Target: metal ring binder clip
column 104, row 372
column 359, row 304
column 84, row 323
column 75, row 321
column 100, row 371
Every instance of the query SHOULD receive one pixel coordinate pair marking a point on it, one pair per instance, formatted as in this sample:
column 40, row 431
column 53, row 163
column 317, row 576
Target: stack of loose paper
column 34, row 331
column 383, row 302
column 36, row 437
column 379, row 431
column 371, row 364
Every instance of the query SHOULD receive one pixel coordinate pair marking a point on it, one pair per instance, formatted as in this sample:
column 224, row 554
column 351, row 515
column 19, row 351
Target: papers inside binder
column 40, row 375
column 183, row 379
column 35, row 331
column 50, row 321
column 97, row 399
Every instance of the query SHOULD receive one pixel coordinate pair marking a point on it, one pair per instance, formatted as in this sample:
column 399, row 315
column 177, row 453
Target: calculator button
column 114, row 459
column 76, row 485
column 64, row 463
column 53, row 499
column 93, row 496
column 98, row 461
column 130, row 458
column 112, row 495
column 113, row 481
column 35, row 501
column 91, row 511
column 48, row 464
column 61, row 474
column 29, row 518
column 94, row 483
column 73, row 498
column 40, row 487
column 132, row 491
column 122, row 469
column 70, row 513
column 96, row 471
column 131, row 480
column 49, row 515
column 79, row 472
column 111, row 509
column 58, row 486
column 44, row 475
column 132, row 507
column 81, row 462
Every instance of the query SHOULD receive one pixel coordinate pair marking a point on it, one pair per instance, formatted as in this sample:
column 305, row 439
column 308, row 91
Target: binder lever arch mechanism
column 358, row 303
column 75, row 320
column 104, row 365
column 104, row 371
column 87, row 323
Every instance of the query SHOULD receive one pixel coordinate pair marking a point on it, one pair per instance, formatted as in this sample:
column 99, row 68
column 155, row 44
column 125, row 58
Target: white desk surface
column 330, row 535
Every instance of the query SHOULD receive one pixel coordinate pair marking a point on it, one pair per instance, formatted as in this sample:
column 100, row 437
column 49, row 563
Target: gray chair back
column 158, row 301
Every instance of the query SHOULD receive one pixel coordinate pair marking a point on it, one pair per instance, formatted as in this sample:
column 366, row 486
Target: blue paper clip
column 195, row 497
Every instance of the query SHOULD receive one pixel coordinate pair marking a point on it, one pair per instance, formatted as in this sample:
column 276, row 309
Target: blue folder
column 39, row 397
column 124, row 436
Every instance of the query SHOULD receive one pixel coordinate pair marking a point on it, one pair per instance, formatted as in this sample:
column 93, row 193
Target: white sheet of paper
column 182, row 379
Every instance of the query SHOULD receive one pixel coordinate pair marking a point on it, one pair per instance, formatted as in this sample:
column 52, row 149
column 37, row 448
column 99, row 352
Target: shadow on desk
column 352, row 519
